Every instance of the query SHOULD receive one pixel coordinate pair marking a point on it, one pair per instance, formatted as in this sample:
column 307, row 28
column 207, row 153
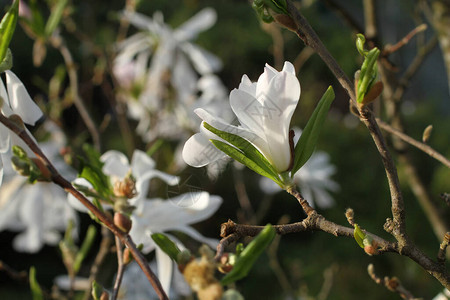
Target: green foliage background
column 244, row 47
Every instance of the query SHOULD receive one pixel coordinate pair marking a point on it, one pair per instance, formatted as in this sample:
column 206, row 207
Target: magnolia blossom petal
column 202, row 21
column 247, row 85
column 141, row 163
column 204, row 62
column 115, row 163
column 197, row 236
column 220, row 124
column 283, row 94
column 249, row 111
column 20, row 101
column 74, row 202
column 198, row 151
column 165, row 269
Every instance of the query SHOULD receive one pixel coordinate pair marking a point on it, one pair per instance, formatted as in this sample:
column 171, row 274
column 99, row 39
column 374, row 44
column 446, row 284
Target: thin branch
column 16, row 275
column 393, row 284
column 107, row 221
column 405, row 40
column 58, row 43
column 422, row 54
column 120, row 269
column 419, row 145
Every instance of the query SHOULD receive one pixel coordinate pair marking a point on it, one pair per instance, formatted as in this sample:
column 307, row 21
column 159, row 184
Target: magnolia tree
column 165, row 96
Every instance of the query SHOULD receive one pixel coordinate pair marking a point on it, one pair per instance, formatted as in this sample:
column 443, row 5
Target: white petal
column 247, row 85
column 198, row 151
column 220, row 124
column 165, row 269
column 115, row 163
column 74, row 202
column 1, row 171
column 20, row 100
column 141, row 163
column 4, row 138
column 289, row 67
column 249, row 111
column 197, row 236
column 202, row 21
column 264, row 79
column 204, row 62
column 281, row 96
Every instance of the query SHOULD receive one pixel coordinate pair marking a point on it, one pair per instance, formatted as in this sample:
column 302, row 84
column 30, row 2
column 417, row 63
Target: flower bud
column 122, row 221
column 127, row 256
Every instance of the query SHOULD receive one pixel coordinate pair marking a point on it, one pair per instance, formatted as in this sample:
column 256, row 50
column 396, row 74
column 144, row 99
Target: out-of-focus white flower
column 135, row 285
column 117, row 167
column 15, row 100
column 158, row 69
column 158, row 215
column 313, row 179
column 444, row 295
column 39, row 211
column 164, row 216
column 264, row 110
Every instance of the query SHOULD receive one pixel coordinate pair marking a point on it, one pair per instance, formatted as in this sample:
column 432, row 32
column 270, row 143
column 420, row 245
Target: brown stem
column 67, row 186
column 120, row 269
column 391, row 283
column 419, row 145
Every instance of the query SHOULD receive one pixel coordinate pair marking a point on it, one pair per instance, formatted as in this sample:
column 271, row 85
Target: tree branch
column 67, row 186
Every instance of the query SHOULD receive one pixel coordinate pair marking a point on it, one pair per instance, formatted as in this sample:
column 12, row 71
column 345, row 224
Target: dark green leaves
column 264, row 8
column 249, row 255
column 308, row 140
column 244, row 152
column 7, row 26
column 166, row 245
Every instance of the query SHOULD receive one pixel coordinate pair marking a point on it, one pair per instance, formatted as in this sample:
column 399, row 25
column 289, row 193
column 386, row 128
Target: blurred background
column 310, row 265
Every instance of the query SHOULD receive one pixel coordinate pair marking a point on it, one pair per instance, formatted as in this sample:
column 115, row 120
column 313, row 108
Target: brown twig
column 16, row 275
column 405, row 40
column 419, row 145
column 391, row 283
column 120, row 269
column 107, row 221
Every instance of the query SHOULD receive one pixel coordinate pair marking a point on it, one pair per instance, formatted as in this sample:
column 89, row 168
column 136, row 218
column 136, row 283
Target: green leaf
column 308, row 140
column 85, row 247
column 249, row 255
column 97, row 290
column 240, row 157
column 166, row 245
column 36, row 290
column 55, row 17
column 37, row 21
column 247, row 148
column 359, row 236
column 360, row 41
column 7, row 27
column 368, row 74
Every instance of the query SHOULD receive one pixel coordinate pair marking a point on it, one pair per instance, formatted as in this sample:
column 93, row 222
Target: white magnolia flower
column 117, row 166
column 158, row 69
column 157, row 215
column 313, row 179
column 160, row 216
column 15, row 100
column 264, row 110
column 135, row 284
column 38, row 211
